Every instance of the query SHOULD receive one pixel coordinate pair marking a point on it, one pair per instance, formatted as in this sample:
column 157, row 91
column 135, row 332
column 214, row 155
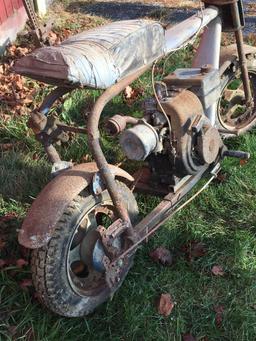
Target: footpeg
column 237, row 154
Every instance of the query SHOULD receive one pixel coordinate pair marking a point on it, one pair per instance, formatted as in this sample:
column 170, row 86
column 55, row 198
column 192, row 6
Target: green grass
column 223, row 218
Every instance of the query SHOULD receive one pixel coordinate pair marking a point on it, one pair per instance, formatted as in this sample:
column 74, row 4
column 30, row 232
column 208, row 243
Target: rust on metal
column 209, row 143
column 37, row 121
column 116, row 124
column 241, row 52
column 183, row 109
column 220, row 2
column 48, row 207
column 94, row 142
column 229, row 55
column 161, row 213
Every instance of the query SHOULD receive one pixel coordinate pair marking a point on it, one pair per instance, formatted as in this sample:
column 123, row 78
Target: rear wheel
column 63, row 271
column 233, row 115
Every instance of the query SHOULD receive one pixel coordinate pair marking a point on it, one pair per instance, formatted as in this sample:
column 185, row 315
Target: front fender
column 50, row 204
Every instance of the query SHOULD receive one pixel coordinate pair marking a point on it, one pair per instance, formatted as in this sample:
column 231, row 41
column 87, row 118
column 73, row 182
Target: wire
column 170, row 215
column 190, row 41
column 156, row 97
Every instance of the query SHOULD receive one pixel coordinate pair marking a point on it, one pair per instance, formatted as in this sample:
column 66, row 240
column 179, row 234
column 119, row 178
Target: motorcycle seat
column 97, row 58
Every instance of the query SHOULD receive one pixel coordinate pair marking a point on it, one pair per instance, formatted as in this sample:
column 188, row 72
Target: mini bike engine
column 175, row 143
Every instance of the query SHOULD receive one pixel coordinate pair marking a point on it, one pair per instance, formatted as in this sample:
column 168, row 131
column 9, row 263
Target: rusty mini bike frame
column 175, row 38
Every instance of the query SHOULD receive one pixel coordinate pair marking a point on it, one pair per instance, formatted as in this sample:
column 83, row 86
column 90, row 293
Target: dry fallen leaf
column 15, row 93
column 7, row 217
column 6, row 146
column 12, row 331
column 21, row 262
column 128, row 92
column 25, row 283
column 221, row 177
column 30, row 335
column 131, row 95
column 2, row 263
column 219, row 310
column 2, row 243
column 243, row 162
column 188, row 337
column 165, row 305
column 161, row 255
column 52, row 38
column 217, row 270
column 194, row 249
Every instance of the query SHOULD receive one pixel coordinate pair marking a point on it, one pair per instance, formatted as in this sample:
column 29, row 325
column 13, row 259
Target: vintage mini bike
column 84, row 226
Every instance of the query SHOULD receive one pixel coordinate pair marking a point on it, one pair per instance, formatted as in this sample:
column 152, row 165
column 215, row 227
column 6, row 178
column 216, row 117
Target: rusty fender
column 50, row 204
column 229, row 55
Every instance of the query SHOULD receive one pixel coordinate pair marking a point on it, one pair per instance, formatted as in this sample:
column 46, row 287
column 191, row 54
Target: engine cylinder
column 139, row 141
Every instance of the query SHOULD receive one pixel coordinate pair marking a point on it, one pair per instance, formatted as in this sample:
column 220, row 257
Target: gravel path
column 124, row 10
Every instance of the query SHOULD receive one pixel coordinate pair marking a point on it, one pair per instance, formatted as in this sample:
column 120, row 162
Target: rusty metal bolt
column 206, row 68
column 37, row 122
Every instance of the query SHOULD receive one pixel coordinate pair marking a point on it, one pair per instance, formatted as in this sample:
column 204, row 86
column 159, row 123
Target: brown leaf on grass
column 52, row 38
column 219, row 310
column 131, row 94
column 165, row 305
column 188, row 337
column 194, row 249
column 12, row 331
column 21, row 262
column 243, row 162
column 217, row 270
column 161, row 255
column 128, row 92
column 5, row 117
column 11, row 49
column 159, row 70
column 30, row 335
column 2, row 243
column 221, row 177
column 25, row 283
column 13, row 92
column 6, row 146
column 86, row 158
column 2, row 263
column 22, row 51
column 8, row 216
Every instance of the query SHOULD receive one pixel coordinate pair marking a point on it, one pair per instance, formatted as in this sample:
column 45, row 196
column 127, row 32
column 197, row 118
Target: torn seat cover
column 97, row 58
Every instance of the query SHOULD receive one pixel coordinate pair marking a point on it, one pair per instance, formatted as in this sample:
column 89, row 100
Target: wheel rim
column 84, row 279
column 232, row 112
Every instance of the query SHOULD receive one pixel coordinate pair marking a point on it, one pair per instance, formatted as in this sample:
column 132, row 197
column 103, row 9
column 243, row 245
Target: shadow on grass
column 129, row 10
column 21, row 177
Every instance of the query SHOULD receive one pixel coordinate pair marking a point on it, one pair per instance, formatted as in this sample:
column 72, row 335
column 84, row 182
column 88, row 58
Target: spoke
column 91, row 220
column 74, row 254
column 229, row 94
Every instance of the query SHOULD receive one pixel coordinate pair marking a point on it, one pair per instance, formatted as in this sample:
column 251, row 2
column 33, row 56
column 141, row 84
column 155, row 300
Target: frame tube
column 179, row 34
column 209, row 53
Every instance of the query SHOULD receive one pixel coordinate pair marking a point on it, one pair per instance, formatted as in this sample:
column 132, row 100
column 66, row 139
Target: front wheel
column 63, row 273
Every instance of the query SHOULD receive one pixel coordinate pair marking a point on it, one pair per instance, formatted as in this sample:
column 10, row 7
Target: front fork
column 241, row 53
column 98, row 155
column 208, row 53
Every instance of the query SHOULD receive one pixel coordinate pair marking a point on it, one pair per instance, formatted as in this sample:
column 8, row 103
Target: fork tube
column 241, row 52
column 209, row 53
column 209, row 48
